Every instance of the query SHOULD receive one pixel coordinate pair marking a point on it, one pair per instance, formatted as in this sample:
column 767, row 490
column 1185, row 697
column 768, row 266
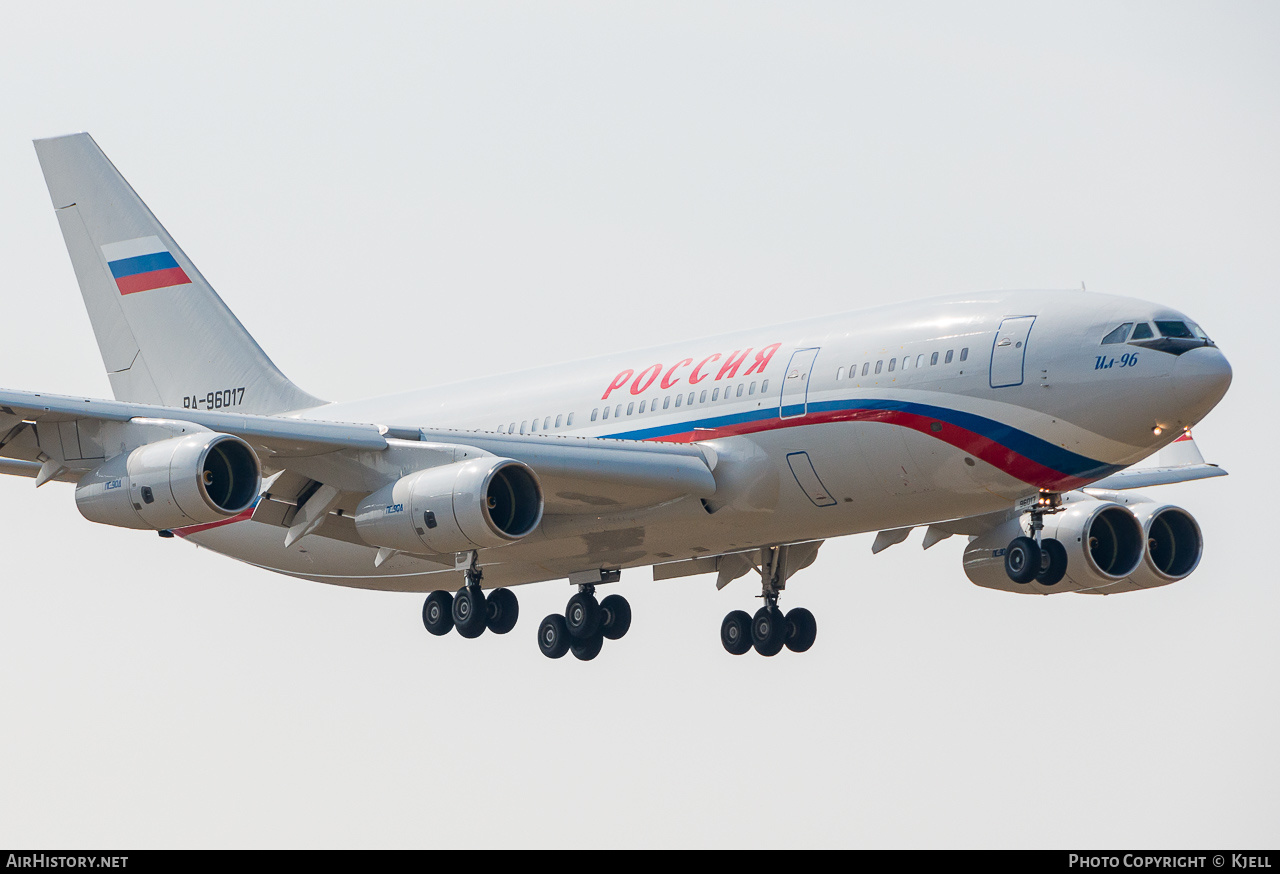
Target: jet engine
column 1103, row 540
column 481, row 502
column 1174, row 545
column 199, row 478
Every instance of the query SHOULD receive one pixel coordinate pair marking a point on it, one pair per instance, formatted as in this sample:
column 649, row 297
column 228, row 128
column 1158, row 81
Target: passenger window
column 679, row 398
column 964, row 353
column 618, row 411
column 740, row 388
column 546, row 423
column 689, row 399
column 839, row 373
column 1119, row 335
column 933, row 359
column 642, row 403
column 920, row 360
column 892, row 363
column 764, row 386
column 559, row 420
column 533, row 429
column 1142, row 332
column 570, row 422
column 631, row 408
column 666, row 402
column 879, row 364
column 950, row 352
column 865, row 367
column 502, row 429
column 752, row 390
column 524, row 425
column 702, row 399
column 606, row 412
column 511, row 429
column 715, row 395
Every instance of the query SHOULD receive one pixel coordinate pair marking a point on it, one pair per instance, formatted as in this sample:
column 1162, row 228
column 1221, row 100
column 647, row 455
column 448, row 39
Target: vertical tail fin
column 165, row 335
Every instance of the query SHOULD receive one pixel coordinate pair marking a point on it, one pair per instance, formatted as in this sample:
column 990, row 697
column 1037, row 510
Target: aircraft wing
column 64, row 436
column 1179, row 462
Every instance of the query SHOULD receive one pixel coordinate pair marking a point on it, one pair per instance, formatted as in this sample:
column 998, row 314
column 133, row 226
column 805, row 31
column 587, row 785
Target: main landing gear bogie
column 470, row 611
column 584, row 626
column 769, row 630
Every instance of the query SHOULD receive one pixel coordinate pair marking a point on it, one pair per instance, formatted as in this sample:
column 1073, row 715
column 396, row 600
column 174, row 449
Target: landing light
column 1157, row 430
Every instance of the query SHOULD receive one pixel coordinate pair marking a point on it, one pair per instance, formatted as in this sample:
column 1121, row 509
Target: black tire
column 553, row 636
column 1053, row 562
column 582, row 615
column 437, row 613
column 802, row 629
column 1022, row 560
column 616, row 616
column 587, row 649
column 768, row 630
column 470, row 613
column 504, row 610
column 735, row 632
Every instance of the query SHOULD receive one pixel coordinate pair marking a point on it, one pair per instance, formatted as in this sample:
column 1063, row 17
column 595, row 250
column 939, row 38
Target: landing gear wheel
column 437, row 613
column 582, row 615
column 503, row 611
column 802, row 629
column 768, row 630
column 1053, row 562
column 1022, row 560
column 616, row 616
column 735, row 632
column 553, row 636
column 588, row 648
column 469, row 611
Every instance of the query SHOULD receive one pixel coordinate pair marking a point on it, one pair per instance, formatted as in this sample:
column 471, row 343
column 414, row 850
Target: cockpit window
column 1176, row 330
column 1119, row 335
column 1142, row 332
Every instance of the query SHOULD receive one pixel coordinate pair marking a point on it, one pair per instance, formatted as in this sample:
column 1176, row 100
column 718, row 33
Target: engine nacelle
column 191, row 480
column 1103, row 539
column 1174, row 545
column 474, row 504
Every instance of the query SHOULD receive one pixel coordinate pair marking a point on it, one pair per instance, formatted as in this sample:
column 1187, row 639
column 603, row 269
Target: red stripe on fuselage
column 1002, row 457
column 155, row 279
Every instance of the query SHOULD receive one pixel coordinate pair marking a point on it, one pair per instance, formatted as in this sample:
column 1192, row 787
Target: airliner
column 1015, row 418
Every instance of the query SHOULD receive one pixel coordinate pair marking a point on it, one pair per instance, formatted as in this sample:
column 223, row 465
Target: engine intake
column 1174, row 545
column 478, row 503
column 190, row 480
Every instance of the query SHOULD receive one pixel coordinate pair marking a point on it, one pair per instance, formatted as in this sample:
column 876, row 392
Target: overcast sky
column 414, row 193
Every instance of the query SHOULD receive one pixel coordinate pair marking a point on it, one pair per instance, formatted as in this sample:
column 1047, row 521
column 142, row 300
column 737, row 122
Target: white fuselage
column 901, row 415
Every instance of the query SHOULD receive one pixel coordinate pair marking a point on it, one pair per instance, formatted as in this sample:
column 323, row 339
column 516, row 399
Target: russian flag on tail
column 142, row 265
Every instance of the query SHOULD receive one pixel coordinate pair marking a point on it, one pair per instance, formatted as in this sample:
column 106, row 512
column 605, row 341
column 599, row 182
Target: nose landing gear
column 1038, row 558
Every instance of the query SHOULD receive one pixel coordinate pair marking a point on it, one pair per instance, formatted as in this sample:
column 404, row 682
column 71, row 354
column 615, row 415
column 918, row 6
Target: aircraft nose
column 1200, row 379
